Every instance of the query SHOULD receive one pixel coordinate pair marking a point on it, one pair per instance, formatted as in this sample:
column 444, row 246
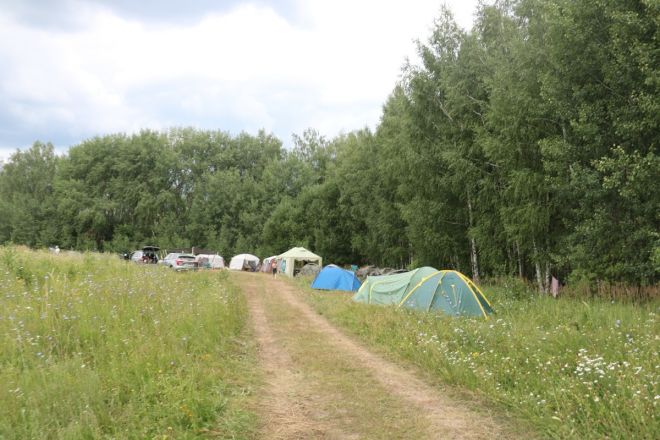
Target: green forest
column 526, row 147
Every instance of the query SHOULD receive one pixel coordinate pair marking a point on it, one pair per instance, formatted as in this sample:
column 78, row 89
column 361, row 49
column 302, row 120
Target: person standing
column 273, row 266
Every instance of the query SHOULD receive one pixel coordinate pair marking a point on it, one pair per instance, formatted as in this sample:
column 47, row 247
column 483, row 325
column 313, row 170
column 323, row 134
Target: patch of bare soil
column 290, row 410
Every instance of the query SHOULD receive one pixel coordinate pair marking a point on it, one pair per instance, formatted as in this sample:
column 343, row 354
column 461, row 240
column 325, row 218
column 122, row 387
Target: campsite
column 340, row 220
column 96, row 346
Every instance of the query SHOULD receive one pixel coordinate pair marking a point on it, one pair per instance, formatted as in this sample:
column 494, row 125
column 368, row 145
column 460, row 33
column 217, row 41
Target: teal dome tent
column 428, row 289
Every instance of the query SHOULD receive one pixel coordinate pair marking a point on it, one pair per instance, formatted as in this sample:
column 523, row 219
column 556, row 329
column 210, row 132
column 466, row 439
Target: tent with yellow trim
column 427, row 289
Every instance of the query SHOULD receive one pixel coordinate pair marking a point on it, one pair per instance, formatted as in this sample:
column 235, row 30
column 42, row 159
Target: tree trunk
column 537, row 267
column 455, row 262
column 473, row 245
column 520, row 265
column 539, row 280
column 474, row 260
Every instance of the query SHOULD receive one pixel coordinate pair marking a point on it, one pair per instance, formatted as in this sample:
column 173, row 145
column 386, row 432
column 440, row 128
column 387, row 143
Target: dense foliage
column 527, row 146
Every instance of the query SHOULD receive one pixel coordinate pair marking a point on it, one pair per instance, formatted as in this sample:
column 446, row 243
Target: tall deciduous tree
column 26, row 197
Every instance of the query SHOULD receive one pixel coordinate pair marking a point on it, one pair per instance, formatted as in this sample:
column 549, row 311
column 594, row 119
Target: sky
column 73, row 69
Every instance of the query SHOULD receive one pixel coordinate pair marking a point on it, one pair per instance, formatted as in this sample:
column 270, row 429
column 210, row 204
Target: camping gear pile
column 309, row 269
column 369, row 271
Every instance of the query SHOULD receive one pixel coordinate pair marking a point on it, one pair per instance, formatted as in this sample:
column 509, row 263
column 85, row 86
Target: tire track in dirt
column 448, row 419
column 287, row 407
column 289, row 410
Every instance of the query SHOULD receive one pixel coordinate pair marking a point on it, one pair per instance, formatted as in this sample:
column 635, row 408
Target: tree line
column 524, row 147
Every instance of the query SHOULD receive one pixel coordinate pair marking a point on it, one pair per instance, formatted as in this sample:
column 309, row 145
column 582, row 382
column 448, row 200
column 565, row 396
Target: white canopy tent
column 287, row 260
column 243, row 261
column 210, row 261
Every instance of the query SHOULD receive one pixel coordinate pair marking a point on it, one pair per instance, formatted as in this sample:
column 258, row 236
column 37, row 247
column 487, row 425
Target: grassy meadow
column 573, row 369
column 95, row 347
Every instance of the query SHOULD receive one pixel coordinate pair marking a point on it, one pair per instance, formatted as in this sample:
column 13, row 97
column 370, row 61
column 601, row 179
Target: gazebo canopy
column 288, row 259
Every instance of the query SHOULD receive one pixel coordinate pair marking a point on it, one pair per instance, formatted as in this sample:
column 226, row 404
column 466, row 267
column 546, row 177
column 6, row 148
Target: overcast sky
column 72, row 69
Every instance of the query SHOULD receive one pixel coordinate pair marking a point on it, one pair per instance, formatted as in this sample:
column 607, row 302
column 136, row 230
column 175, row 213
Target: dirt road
column 322, row 384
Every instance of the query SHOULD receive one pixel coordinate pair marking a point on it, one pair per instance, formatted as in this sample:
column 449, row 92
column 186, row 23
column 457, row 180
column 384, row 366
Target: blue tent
column 336, row 278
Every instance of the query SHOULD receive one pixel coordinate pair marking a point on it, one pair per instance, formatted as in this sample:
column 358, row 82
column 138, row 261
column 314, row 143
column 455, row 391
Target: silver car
column 179, row 261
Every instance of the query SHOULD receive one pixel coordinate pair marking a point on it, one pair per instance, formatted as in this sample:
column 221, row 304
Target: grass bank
column 95, row 347
column 574, row 369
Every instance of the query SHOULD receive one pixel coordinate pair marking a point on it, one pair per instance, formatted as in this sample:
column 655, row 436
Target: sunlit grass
column 575, row 369
column 92, row 346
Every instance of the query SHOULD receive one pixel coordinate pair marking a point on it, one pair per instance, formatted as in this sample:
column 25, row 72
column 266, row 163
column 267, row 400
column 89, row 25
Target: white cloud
column 242, row 69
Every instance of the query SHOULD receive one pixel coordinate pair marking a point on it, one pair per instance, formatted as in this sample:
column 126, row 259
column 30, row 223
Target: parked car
column 179, row 261
column 169, row 259
column 147, row 255
column 136, row 256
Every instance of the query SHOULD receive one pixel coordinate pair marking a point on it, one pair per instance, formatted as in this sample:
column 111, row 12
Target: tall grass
column 575, row 369
column 95, row 347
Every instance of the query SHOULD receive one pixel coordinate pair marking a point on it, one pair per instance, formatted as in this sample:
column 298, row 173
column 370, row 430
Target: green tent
column 427, row 289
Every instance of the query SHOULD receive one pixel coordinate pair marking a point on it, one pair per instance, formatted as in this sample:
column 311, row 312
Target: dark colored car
column 148, row 255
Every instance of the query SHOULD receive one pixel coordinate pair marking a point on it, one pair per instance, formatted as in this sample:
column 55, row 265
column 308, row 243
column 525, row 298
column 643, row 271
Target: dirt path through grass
column 322, row 384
